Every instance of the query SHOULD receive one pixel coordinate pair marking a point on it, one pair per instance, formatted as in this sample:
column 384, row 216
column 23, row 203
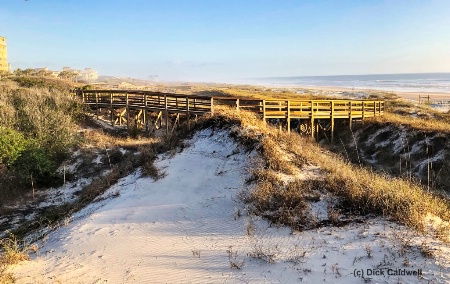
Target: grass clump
column 11, row 252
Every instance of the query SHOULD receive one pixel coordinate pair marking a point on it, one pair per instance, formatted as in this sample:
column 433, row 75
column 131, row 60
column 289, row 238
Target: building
column 4, row 66
column 87, row 75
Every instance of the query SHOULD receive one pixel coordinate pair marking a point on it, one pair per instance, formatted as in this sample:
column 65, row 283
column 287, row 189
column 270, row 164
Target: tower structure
column 4, row 66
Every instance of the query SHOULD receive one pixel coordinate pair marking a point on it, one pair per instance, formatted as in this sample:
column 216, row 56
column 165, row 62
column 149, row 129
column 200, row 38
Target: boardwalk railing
column 309, row 110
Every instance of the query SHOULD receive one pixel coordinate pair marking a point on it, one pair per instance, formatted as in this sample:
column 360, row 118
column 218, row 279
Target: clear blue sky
column 209, row 40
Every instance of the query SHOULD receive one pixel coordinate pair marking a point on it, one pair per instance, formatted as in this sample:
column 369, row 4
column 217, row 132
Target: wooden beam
column 312, row 119
column 350, row 114
column 128, row 112
column 96, row 104
column 264, row 110
column 332, row 121
column 187, row 113
column 166, row 113
column 175, row 123
column 111, row 108
column 288, row 116
column 145, row 113
column 158, row 118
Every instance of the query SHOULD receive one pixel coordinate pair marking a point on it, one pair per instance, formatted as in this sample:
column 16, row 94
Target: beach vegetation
column 360, row 189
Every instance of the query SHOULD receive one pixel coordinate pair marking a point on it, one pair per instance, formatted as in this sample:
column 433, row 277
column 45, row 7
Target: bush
column 12, row 143
column 30, row 82
column 36, row 162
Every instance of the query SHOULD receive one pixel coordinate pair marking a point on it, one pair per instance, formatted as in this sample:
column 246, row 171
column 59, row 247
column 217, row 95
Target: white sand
column 185, row 228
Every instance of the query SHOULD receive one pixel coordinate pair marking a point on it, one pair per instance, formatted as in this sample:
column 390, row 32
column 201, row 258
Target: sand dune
column 187, row 228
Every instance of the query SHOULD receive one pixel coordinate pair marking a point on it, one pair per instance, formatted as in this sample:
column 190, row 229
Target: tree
column 28, row 72
column 68, row 75
column 44, row 73
column 18, row 72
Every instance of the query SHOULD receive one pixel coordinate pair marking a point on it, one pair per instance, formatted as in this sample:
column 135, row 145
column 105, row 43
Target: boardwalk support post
column 332, row 121
column 145, row 113
column 187, row 114
column 111, row 108
column 312, row 119
column 96, row 104
column 166, row 113
column 127, row 107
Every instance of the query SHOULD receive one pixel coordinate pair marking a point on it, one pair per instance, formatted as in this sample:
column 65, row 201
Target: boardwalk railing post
column 212, row 105
column 363, row 110
column 111, row 107
column 96, row 104
column 350, row 114
column 237, row 104
column 264, row 110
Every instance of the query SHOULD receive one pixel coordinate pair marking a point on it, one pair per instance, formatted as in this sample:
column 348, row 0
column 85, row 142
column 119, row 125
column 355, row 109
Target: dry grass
column 361, row 189
column 422, row 124
column 11, row 252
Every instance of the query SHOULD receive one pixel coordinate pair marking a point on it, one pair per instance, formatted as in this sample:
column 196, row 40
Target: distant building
column 4, row 66
column 87, row 75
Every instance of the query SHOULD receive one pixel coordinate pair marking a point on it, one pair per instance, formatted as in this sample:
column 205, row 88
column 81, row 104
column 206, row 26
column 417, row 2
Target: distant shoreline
column 403, row 94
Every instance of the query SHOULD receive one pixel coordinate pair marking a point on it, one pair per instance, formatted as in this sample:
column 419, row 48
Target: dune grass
column 12, row 252
column 421, row 124
column 360, row 189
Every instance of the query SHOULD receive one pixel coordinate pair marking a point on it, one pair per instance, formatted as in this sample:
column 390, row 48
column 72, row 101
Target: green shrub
column 30, row 82
column 12, row 143
column 36, row 162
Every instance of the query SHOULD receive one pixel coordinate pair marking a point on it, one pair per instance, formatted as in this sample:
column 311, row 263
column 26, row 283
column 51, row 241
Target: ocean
column 418, row 82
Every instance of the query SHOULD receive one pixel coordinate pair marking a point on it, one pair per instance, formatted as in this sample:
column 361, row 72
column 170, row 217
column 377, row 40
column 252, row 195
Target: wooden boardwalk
column 126, row 104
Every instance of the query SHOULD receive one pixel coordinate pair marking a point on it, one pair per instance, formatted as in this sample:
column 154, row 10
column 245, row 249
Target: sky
column 226, row 40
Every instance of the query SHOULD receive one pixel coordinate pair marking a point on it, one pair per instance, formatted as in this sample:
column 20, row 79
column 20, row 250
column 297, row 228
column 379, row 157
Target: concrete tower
column 4, row 66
